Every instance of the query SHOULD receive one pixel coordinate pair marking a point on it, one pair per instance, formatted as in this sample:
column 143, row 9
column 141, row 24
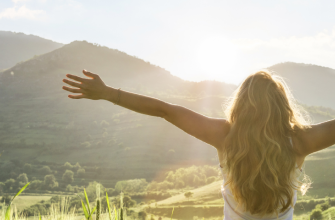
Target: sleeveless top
column 233, row 212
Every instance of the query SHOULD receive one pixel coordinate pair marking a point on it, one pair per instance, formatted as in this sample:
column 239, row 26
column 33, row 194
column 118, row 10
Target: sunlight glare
column 217, row 57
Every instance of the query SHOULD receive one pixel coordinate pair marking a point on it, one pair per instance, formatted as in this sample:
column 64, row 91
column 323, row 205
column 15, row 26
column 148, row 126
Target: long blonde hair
column 257, row 155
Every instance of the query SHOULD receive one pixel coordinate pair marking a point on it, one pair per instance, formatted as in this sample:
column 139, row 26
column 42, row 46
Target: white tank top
column 232, row 211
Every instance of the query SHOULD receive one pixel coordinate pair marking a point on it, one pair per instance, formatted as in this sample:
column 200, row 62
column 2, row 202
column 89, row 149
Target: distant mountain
column 310, row 84
column 17, row 47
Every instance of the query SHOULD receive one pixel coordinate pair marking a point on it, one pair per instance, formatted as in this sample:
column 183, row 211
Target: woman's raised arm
column 210, row 130
column 317, row 137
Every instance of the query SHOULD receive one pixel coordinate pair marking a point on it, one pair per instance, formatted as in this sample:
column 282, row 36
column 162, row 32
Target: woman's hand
column 93, row 88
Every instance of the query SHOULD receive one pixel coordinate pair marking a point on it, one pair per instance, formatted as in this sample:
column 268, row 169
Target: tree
column 81, row 172
column 45, row 170
column 188, row 195
column 142, row 215
column 27, row 168
column 9, row 184
column 316, row 214
column 50, row 181
column 36, row 185
column 77, row 166
column 68, row 176
column 67, row 166
column 22, row 179
column 69, row 188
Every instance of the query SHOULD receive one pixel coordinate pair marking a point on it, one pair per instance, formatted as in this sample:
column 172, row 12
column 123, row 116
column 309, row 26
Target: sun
column 217, row 58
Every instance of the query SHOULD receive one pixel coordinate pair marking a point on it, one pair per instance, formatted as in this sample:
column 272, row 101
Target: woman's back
column 232, row 210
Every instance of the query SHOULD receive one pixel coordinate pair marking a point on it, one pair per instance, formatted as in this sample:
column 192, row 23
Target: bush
column 316, row 214
column 5, row 199
column 35, row 210
column 323, row 206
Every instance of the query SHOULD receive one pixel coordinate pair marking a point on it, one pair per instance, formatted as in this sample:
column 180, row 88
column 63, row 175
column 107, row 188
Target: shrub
column 35, row 210
column 316, row 214
column 323, row 206
column 5, row 199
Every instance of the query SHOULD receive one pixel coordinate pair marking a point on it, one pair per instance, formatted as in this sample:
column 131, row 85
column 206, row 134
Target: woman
column 261, row 145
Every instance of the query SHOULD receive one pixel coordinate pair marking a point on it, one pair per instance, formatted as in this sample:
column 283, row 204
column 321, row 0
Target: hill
column 39, row 125
column 310, row 84
column 18, row 47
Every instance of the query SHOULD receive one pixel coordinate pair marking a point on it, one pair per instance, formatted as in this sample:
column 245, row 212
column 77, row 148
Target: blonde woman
column 261, row 145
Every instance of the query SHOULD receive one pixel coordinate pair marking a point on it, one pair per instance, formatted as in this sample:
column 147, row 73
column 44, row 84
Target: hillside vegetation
column 19, row 47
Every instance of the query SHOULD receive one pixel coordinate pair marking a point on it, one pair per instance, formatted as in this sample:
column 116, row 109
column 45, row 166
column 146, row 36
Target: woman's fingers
column 72, row 89
column 89, row 74
column 77, row 96
column 77, row 78
column 71, row 83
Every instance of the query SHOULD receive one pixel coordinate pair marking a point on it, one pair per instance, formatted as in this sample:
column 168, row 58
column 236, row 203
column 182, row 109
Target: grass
column 25, row 201
column 175, row 207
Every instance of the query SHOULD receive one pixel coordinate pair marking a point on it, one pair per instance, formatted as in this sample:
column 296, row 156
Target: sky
column 195, row 40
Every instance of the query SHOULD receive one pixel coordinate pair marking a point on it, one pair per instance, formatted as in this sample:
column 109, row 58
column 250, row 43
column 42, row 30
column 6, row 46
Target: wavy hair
column 258, row 157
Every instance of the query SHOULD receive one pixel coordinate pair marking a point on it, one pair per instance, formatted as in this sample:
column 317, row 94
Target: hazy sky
column 195, row 40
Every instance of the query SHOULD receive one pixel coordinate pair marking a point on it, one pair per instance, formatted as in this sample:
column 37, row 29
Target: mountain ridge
column 18, row 47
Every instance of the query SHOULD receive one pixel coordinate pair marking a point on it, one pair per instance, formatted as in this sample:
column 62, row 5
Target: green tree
column 36, row 185
column 27, row 168
column 188, row 195
column 142, row 215
column 67, row 166
column 50, row 181
column 316, row 214
column 77, row 166
column 45, row 170
column 68, row 176
column 9, row 184
column 22, row 179
column 81, row 172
